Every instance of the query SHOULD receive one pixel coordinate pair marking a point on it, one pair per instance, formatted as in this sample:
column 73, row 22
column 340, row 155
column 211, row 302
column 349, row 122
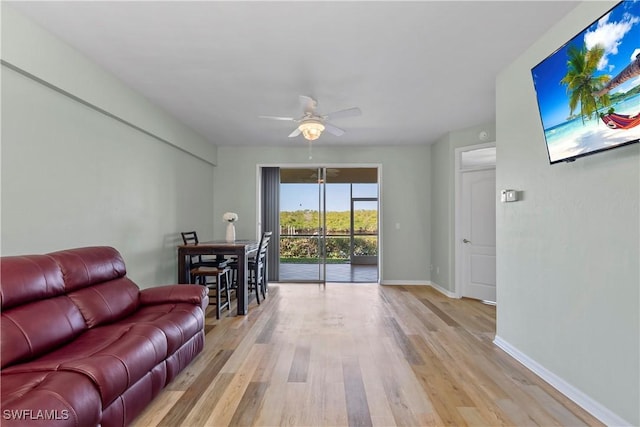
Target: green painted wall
column 568, row 253
column 405, row 195
column 74, row 176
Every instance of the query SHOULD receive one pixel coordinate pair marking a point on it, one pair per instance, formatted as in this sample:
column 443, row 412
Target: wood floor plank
column 201, row 407
column 404, row 343
column 294, row 409
column 299, row 365
column 153, row 414
column 438, row 312
column 357, row 405
column 473, row 417
column 361, row 354
column 267, row 332
column 334, row 411
column 379, row 407
column 555, row 408
column 272, row 408
column 191, row 396
column 226, row 406
column 407, row 401
column 250, row 404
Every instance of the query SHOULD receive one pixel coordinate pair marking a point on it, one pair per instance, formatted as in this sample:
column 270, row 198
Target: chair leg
column 227, row 289
column 222, row 284
column 263, row 283
column 255, row 285
column 234, row 278
column 218, row 297
column 265, row 290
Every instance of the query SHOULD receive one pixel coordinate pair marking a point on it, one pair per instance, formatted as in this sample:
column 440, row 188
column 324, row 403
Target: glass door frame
column 363, row 259
column 322, row 225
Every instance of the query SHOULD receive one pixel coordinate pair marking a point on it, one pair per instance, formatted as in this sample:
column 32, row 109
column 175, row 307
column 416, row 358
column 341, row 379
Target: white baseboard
column 587, row 403
column 443, row 291
column 406, row 282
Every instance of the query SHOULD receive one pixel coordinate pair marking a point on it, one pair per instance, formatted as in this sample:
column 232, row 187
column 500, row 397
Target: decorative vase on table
column 230, row 218
column 231, row 232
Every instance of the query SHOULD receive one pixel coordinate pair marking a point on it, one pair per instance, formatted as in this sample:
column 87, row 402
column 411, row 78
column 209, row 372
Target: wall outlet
column 437, row 270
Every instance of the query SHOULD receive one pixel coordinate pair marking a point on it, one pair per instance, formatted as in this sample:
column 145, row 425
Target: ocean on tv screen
column 588, row 90
column 574, row 138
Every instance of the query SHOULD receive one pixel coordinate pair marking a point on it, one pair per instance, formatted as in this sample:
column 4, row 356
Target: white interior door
column 478, row 209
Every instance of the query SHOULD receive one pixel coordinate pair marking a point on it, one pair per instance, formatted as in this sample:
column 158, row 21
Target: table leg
column 181, row 268
column 243, row 284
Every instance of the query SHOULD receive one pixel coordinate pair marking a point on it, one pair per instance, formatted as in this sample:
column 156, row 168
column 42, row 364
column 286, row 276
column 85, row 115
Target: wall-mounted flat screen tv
column 588, row 91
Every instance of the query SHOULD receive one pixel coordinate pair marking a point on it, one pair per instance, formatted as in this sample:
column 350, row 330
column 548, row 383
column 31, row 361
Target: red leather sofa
column 82, row 345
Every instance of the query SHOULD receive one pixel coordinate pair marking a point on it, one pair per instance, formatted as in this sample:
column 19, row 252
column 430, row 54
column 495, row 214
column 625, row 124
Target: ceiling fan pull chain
column 310, row 153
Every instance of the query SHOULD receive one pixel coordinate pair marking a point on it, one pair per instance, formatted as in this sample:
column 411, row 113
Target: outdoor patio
column 335, row 273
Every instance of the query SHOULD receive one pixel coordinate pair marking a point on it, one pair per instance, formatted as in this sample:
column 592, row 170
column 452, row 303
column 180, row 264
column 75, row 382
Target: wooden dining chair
column 258, row 268
column 191, row 238
column 210, row 272
column 257, row 279
column 220, row 285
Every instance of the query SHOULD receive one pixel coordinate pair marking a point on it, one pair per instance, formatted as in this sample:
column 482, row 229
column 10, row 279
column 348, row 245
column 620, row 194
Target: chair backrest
column 264, row 240
column 261, row 256
column 264, row 244
column 190, row 238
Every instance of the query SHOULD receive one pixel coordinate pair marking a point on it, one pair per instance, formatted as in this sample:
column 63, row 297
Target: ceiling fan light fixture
column 311, row 129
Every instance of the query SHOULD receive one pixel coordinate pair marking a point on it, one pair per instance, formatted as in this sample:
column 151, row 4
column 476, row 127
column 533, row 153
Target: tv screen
column 588, row 91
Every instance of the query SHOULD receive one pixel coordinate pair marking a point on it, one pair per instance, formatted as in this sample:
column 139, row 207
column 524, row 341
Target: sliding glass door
column 328, row 223
column 302, row 225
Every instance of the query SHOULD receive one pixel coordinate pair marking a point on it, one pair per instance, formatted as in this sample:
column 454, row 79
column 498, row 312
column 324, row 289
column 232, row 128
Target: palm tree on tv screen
column 582, row 83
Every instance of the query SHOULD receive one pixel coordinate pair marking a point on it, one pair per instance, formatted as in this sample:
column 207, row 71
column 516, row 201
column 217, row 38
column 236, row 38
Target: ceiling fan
column 312, row 123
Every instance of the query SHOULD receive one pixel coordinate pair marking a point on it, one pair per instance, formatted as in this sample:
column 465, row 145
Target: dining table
column 242, row 249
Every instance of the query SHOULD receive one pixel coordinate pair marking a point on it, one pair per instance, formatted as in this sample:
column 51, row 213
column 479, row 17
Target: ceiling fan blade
column 308, row 104
column 277, row 118
column 295, row 133
column 334, row 130
column 349, row 112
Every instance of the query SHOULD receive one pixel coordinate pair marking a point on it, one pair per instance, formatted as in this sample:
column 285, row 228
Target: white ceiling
column 416, row 69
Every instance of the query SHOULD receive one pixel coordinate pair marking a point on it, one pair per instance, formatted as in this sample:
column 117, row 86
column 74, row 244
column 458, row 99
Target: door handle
column 466, row 241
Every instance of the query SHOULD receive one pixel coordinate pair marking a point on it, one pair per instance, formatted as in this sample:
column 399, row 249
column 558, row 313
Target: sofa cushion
column 178, row 321
column 107, row 302
column 123, row 410
column 49, row 398
column 192, row 294
column 83, row 267
column 31, row 330
column 95, row 279
column 114, row 357
column 29, row 278
column 36, row 315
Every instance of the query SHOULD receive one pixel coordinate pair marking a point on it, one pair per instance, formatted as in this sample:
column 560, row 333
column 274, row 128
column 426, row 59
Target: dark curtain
column 271, row 218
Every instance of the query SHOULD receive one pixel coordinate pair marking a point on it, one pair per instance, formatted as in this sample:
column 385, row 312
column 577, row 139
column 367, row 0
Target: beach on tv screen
column 588, row 91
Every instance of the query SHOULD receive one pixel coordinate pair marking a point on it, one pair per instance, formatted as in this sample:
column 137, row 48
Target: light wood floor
column 363, row 355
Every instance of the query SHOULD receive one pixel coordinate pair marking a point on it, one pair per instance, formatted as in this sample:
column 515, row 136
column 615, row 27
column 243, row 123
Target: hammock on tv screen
column 621, row 121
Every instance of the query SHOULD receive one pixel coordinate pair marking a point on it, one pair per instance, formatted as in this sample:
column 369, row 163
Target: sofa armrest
column 190, row 294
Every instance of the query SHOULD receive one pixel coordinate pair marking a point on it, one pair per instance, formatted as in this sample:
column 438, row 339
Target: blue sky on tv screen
column 618, row 31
